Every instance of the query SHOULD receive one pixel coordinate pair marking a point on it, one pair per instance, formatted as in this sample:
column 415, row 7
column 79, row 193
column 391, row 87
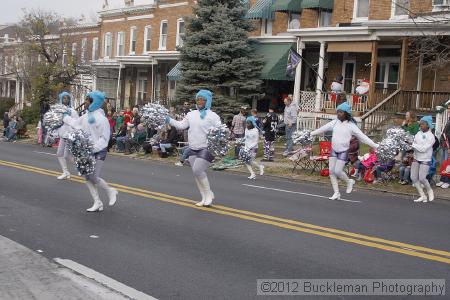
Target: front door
column 349, row 72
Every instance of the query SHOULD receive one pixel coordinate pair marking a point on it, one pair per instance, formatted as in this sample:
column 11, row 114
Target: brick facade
column 309, row 18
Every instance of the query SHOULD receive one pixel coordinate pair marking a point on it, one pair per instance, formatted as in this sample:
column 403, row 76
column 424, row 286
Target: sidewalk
column 24, row 274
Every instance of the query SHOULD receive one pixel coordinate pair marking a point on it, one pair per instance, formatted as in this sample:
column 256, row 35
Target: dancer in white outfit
column 251, row 143
column 343, row 128
column 63, row 149
column 423, row 153
column 199, row 122
column 96, row 124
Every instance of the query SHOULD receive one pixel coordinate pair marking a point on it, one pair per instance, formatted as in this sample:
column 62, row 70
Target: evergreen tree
column 217, row 55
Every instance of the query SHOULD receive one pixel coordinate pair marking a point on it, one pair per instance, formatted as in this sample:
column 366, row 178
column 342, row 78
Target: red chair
column 333, row 97
column 320, row 161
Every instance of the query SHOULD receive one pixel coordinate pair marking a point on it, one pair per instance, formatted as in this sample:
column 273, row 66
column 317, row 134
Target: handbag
column 369, row 177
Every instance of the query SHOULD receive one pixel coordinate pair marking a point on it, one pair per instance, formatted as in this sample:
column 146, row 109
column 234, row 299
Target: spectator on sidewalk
column 290, row 120
column 238, row 128
column 127, row 116
column 5, row 122
column 120, row 120
column 169, row 142
column 138, row 138
column 270, row 125
column 11, row 131
column 121, row 137
column 254, row 114
column 382, row 168
column 410, row 123
column 445, row 139
column 405, row 168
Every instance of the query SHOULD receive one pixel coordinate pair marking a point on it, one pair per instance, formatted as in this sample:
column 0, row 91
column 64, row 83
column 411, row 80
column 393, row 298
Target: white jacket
column 423, row 145
column 198, row 127
column 99, row 131
column 251, row 138
column 342, row 134
column 65, row 129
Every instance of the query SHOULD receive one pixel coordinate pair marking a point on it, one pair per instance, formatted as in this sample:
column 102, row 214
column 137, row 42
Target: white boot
column 200, row 188
column 252, row 173
column 111, row 192
column 98, row 205
column 335, row 185
column 65, row 174
column 430, row 193
column 209, row 195
column 350, row 184
column 423, row 197
column 261, row 170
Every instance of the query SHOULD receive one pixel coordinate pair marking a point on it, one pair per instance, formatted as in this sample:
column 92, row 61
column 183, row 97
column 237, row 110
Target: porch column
column 23, row 92
column 8, row 89
column 419, row 79
column 373, row 74
column 4, row 89
column 403, row 63
column 17, row 92
column 298, row 72
column 320, row 74
column 118, row 94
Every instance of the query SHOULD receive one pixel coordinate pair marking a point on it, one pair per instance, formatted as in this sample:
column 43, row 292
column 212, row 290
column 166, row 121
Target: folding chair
column 301, row 159
column 320, row 161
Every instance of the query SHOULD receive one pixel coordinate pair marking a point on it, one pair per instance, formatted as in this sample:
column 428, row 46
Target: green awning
column 275, row 58
column 324, row 4
column 261, row 10
column 175, row 73
column 287, row 5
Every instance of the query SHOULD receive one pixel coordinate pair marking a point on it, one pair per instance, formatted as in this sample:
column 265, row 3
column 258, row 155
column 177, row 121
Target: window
column 325, row 18
column 441, row 5
column 107, row 45
column 400, row 8
column 266, row 27
column 83, row 50
column 180, row 33
column 387, row 75
column 74, row 51
column 361, row 10
column 163, row 36
column 133, row 38
column 120, row 50
column 147, row 38
column 94, row 49
column 294, row 21
column 64, row 56
column 141, row 88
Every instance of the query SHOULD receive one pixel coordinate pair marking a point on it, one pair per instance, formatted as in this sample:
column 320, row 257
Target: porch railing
column 422, row 101
column 359, row 103
column 381, row 113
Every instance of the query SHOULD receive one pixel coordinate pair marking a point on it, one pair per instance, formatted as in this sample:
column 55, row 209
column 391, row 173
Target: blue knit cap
column 428, row 120
column 99, row 99
column 207, row 95
column 345, row 107
column 252, row 119
column 64, row 94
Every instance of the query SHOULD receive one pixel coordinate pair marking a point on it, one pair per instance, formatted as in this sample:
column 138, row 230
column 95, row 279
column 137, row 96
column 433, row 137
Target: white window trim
column 269, row 27
column 118, row 41
column 94, row 49
column 83, row 49
column 108, row 34
column 146, row 30
column 321, row 11
column 160, row 34
column 441, row 7
column 74, row 51
column 289, row 22
column 355, row 9
column 133, row 29
column 178, row 39
column 399, row 17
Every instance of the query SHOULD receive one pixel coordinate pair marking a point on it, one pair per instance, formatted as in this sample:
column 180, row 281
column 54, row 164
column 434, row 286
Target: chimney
column 129, row 3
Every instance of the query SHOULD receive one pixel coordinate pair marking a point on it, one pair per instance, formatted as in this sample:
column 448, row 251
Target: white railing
column 359, row 103
column 441, row 121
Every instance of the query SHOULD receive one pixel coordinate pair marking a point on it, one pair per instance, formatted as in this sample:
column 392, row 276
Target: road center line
column 299, row 193
column 355, row 238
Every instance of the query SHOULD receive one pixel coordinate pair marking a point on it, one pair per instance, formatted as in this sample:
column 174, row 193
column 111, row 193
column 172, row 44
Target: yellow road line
column 349, row 237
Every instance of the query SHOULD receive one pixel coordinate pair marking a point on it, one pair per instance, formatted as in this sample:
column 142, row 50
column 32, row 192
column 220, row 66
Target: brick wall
column 309, row 18
column 342, row 12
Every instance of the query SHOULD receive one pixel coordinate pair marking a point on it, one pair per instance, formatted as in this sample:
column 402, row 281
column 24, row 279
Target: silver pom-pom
column 239, row 142
column 154, row 115
column 218, row 140
column 54, row 117
column 302, row 138
column 246, row 155
column 82, row 150
column 396, row 140
column 52, row 136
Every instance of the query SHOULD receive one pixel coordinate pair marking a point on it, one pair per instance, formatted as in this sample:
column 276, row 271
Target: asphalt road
column 156, row 241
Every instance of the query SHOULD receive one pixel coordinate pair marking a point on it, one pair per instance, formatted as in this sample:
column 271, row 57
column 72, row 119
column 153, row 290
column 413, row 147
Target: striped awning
column 287, row 5
column 261, row 10
column 324, row 4
column 275, row 60
column 175, row 73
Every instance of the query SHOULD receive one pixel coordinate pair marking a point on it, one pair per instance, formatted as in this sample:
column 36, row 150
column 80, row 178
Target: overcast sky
column 11, row 10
